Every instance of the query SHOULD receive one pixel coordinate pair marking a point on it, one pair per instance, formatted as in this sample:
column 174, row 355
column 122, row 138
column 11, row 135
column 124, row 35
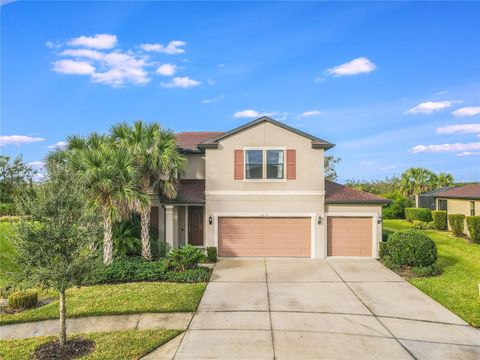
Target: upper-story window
column 264, row 164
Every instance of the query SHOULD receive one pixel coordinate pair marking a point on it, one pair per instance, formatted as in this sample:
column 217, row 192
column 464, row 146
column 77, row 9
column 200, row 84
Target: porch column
column 169, row 225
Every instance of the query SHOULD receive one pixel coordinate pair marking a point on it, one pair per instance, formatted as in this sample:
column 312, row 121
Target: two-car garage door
column 264, row 236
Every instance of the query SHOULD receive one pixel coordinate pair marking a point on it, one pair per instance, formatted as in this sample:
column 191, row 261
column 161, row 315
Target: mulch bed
column 74, row 348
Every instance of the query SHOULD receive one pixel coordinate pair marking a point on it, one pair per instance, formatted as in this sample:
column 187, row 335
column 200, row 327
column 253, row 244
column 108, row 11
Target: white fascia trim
column 374, row 217
column 311, row 215
column 264, row 192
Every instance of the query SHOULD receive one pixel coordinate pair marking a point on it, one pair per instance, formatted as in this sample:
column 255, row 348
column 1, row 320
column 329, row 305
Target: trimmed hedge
column 212, row 254
column 21, row 300
column 419, row 225
column 473, row 226
column 127, row 270
column 411, row 248
column 419, row 214
column 440, row 219
column 200, row 274
column 457, row 224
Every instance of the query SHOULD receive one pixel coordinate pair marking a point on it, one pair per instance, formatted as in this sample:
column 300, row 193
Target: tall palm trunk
column 107, row 241
column 62, row 336
column 145, row 222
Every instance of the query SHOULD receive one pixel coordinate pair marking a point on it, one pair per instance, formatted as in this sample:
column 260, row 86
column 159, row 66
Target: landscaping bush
column 383, row 250
column 184, row 258
column 424, row 271
column 440, row 219
column 419, row 225
column 23, row 299
column 411, row 248
column 473, row 226
column 419, row 214
column 431, row 225
column 127, row 270
column 396, row 209
column 212, row 254
column 7, row 209
column 199, row 274
column 6, row 290
column 386, row 234
column 457, row 224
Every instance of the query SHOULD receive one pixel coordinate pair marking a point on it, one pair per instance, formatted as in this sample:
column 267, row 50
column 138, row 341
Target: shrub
column 387, row 261
column 7, row 208
column 383, row 250
column 23, row 299
column 184, row 258
column 199, row 274
column 457, row 224
column 8, row 218
column 6, row 290
column 424, row 271
column 212, row 254
column 419, row 225
column 411, row 248
column 127, row 270
column 419, row 214
column 440, row 219
column 473, row 225
column 386, row 234
column 431, row 225
column 396, row 209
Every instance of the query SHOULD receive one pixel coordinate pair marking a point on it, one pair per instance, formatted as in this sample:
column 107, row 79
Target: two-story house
column 260, row 190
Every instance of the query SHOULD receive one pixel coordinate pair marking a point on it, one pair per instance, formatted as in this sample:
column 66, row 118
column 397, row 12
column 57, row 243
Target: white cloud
column 359, row 65
column 73, row 67
column 183, row 82
column 122, row 68
column 58, row 144
column 52, row 45
column 18, row 140
column 431, row 106
column 212, row 100
column 173, row 47
column 37, row 164
column 252, row 114
column 446, row 147
column 468, row 153
column 310, row 113
column 98, row 41
column 84, row 53
column 467, row 111
column 459, row 129
column 166, row 69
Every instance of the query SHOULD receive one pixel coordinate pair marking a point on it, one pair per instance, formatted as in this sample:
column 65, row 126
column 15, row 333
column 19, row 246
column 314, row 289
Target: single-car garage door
column 349, row 236
column 264, row 236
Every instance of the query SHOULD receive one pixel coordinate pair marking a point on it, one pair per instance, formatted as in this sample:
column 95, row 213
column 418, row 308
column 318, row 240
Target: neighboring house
column 427, row 200
column 460, row 200
column 260, row 190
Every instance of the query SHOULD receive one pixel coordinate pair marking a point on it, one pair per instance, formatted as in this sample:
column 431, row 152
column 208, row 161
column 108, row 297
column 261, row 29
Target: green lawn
column 458, row 286
column 6, row 251
column 128, row 298
column 128, row 345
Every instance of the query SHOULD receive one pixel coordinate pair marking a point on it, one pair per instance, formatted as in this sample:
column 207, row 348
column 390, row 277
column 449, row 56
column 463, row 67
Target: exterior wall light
column 320, row 220
column 210, row 220
column 379, row 220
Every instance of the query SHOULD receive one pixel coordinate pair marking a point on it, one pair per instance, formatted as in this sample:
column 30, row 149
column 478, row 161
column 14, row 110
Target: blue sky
column 394, row 85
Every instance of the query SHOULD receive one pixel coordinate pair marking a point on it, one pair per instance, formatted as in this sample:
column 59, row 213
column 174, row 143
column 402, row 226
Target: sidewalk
column 97, row 324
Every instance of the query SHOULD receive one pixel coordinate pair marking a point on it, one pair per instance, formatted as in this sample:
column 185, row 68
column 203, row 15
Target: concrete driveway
column 320, row 309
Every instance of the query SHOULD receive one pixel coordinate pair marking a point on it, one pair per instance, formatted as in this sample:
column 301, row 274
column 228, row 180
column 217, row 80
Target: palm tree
column 110, row 180
column 444, row 179
column 157, row 162
column 415, row 181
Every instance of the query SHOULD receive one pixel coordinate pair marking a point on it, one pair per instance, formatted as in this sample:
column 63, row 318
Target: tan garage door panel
column 264, row 236
column 349, row 236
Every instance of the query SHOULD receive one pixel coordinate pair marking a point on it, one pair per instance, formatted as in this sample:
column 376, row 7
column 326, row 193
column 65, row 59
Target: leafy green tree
column 330, row 162
column 396, row 209
column 157, row 162
column 444, row 179
column 415, row 181
column 53, row 243
column 15, row 175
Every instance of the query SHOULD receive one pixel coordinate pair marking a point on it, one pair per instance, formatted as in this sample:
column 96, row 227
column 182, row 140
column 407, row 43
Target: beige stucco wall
column 461, row 206
column 376, row 210
column 195, row 167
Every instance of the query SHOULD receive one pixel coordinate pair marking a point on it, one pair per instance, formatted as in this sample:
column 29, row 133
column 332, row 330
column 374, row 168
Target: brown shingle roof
column 341, row 194
column 188, row 141
column 471, row 191
column 190, row 191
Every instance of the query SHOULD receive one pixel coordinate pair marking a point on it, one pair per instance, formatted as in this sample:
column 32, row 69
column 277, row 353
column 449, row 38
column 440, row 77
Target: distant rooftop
column 470, row 191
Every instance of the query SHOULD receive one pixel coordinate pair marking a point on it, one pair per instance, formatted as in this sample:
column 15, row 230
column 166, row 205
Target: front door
column 195, row 225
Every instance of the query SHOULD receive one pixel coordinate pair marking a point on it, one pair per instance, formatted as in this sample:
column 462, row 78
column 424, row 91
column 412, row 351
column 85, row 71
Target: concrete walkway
column 316, row 309
column 98, row 324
